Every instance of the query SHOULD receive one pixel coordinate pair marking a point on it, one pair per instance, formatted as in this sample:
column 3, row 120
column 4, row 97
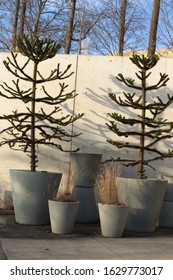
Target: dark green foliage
column 24, row 126
column 152, row 126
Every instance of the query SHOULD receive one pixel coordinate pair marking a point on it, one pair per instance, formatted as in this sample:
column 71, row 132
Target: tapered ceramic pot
column 84, row 167
column 62, row 216
column 169, row 189
column 88, row 209
column 166, row 214
column 112, row 219
column 31, row 191
column 145, row 198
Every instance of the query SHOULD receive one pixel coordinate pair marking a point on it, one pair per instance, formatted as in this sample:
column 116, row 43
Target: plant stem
column 33, row 152
column 142, row 137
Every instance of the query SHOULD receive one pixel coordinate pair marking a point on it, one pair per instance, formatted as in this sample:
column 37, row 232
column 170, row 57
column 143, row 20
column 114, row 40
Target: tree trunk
column 122, row 26
column 69, row 32
column 15, row 25
column 141, row 171
column 22, row 18
column 153, row 28
column 33, row 151
column 36, row 27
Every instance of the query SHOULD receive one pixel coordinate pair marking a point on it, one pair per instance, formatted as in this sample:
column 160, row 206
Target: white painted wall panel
column 94, row 77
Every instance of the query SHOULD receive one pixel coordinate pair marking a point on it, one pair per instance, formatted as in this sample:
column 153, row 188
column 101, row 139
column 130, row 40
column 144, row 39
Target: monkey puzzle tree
column 36, row 126
column 152, row 126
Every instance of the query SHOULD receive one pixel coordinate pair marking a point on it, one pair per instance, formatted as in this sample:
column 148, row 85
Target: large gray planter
column 166, row 214
column 88, row 210
column 62, row 216
column 84, row 167
column 144, row 197
column 31, row 191
column 112, row 219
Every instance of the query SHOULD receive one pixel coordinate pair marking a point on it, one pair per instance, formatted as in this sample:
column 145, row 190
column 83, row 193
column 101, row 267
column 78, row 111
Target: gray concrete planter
column 112, row 219
column 144, row 197
column 88, row 210
column 62, row 216
column 84, row 167
column 31, row 191
column 166, row 214
column 169, row 189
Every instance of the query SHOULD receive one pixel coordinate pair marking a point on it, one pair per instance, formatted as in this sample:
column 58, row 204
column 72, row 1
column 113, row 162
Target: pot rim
column 64, row 202
column 114, row 205
column 37, row 171
column 95, row 154
column 147, row 179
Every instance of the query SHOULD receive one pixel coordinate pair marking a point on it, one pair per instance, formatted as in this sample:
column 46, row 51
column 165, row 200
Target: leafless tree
column 69, row 32
column 122, row 26
column 153, row 27
column 33, row 17
column 15, row 25
column 82, row 18
column 22, row 17
column 105, row 27
column 45, row 18
column 165, row 26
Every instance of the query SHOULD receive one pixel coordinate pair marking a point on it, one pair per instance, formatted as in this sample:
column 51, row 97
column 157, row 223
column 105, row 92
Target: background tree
column 46, row 19
column 40, row 18
column 69, row 32
column 22, row 17
column 153, row 28
column 120, row 19
column 165, row 26
column 85, row 17
column 19, row 15
column 100, row 28
column 15, row 25
column 122, row 26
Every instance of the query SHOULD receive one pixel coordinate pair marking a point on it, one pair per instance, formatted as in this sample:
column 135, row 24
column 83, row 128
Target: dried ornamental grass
column 65, row 196
column 66, row 193
column 107, row 183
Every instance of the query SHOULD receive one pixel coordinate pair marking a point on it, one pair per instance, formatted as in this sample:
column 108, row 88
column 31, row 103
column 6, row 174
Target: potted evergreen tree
column 35, row 126
column 143, row 195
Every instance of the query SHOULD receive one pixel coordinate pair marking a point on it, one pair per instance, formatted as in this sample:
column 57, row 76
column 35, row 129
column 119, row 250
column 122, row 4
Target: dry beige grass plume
column 107, row 183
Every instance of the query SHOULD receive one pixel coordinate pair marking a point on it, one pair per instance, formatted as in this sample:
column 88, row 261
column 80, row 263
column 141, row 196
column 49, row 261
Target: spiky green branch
column 23, row 128
column 152, row 126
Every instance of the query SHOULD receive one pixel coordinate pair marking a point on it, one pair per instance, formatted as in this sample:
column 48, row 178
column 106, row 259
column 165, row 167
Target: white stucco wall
column 94, row 77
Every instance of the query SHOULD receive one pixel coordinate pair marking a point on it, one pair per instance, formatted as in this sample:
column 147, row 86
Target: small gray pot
column 112, row 219
column 62, row 216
